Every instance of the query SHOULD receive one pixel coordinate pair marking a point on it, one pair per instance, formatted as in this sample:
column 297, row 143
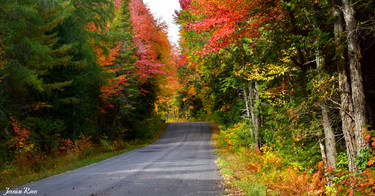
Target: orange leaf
column 320, row 165
column 370, row 162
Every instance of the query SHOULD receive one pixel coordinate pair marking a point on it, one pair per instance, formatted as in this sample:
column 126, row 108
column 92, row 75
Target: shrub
column 24, row 150
column 146, row 129
column 119, row 144
column 84, row 146
column 238, row 136
column 107, row 146
column 65, row 146
column 45, row 133
column 265, row 172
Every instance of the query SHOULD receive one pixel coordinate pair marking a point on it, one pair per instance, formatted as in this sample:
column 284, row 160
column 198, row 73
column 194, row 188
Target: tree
column 346, row 107
column 147, row 35
column 356, row 78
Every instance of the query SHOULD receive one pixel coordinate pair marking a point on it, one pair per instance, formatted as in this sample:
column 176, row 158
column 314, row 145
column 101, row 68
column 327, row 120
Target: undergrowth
column 267, row 172
column 249, row 172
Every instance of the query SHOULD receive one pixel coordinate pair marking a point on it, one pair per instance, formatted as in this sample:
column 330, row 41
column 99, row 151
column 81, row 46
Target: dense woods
column 75, row 75
column 291, row 79
column 290, row 84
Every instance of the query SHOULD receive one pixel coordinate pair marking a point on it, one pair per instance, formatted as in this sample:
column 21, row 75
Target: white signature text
column 25, row 190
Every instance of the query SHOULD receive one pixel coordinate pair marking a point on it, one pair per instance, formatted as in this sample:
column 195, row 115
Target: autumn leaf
column 370, row 162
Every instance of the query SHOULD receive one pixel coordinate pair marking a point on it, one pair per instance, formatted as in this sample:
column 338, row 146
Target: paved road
column 181, row 162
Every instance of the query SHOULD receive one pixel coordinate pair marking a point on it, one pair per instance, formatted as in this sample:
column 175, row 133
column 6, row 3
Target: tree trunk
column 178, row 113
column 167, row 114
column 256, row 115
column 354, row 54
column 329, row 134
column 173, row 112
column 253, row 98
column 324, row 155
column 346, row 108
column 248, row 116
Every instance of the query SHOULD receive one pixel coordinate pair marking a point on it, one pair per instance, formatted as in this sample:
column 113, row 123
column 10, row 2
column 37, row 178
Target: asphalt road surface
column 181, row 162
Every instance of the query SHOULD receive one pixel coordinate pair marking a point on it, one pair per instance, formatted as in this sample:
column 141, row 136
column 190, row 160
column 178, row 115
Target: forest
column 288, row 86
column 77, row 77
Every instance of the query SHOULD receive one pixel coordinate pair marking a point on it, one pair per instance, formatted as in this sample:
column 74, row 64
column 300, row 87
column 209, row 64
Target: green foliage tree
column 57, row 61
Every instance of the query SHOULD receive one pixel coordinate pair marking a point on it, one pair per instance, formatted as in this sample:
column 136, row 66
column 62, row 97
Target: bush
column 119, row 144
column 65, row 146
column 263, row 173
column 84, row 146
column 45, row 133
column 147, row 129
column 238, row 136
column 107, row 146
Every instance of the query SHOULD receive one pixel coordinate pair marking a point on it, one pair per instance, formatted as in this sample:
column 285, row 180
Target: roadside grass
column 16, row 175
column 177, row 120
column 171, row 120
column 237, row 179
column 248, row 172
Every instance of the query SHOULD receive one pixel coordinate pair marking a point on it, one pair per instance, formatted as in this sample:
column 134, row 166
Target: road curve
column 181, row 162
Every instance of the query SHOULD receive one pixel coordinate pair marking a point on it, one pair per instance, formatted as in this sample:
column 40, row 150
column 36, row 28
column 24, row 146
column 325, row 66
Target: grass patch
column 15, row 175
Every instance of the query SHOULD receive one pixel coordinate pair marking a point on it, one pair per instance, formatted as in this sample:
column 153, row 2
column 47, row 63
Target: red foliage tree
column 184, row 4
column 229, row 21
column 150, row 38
